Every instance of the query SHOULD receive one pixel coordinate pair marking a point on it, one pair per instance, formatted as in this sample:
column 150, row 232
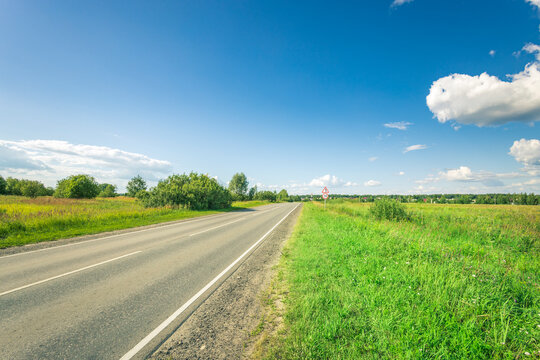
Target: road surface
column 120, row 296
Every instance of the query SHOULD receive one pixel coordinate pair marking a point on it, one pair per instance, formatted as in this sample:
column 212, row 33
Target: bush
column 193, row 191
column 389, row 209
column 77, row 187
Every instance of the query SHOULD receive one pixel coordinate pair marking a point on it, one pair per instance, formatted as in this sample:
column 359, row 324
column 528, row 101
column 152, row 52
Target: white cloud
column 350, row 183
column 401, row 173
column 327, row 180
column 400, row 125
column 492, row 53
column 397, row 3
column 414, row 148
column 372, row 183
column 526, row 151
column 463, row 173
column 373, row 158
column 534, row 3
column 51, row 160
column 485, row 100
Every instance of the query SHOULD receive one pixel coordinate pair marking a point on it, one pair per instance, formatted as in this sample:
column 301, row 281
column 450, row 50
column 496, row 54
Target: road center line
column 217, row 227
column 178, row 312
column 68, row 273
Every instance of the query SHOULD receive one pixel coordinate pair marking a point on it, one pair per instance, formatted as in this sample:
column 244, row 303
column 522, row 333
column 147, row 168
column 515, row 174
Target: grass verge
column 452, row 282
column 26, row 221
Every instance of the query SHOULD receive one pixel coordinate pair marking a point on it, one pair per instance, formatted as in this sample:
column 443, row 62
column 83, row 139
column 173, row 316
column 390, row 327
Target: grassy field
column 24, row 220
column 453, row 282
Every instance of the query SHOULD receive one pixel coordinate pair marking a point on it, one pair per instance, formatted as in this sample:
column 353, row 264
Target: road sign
column 325, row 193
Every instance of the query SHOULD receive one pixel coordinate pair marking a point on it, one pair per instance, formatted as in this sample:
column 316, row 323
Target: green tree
column 266, row 195
column 135, row 185
column 283, row 195
column 13, row 186
column 252, row 193
column 77, row 187
column 193, row 191
column 32, row 188
column 107, row 190
column 239, row 186
column 3, row 184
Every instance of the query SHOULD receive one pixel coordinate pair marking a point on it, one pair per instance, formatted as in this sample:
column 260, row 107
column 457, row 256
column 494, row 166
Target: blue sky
column 294, row 94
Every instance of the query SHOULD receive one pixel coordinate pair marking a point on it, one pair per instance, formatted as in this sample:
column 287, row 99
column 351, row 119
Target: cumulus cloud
column 534, row 3
column 414, row 148
column 400, row 125
column 526, row 152
column 51, row 160
column 485, row 100
column 327, row 180
column 372, row 183
column 492, row 53
column 397, row 3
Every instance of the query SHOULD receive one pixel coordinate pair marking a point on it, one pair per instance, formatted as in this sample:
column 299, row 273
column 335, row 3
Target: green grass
column 452, row 282
column 25, row 221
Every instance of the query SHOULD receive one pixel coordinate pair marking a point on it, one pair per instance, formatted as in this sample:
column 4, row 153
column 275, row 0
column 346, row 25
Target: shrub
column 193, row 191
column 77, row 187
column 389, row 209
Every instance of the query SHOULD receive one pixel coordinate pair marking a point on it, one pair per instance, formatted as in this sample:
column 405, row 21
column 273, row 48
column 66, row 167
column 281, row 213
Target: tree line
column 193, row 190
column 492, row 199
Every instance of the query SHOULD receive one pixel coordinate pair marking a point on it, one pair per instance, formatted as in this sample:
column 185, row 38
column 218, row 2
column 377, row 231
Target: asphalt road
column 121, row 296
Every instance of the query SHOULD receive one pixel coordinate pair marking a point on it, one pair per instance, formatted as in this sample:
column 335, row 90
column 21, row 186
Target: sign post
column 325, row 193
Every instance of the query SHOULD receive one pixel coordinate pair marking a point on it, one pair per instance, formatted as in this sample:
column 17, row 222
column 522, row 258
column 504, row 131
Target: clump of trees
column 77, row 187
column 23, row 187
column 107, row 190
column 194, row 191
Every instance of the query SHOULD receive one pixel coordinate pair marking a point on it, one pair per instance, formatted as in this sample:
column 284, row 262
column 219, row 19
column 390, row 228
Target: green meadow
column 449, row 282
column 25, row 220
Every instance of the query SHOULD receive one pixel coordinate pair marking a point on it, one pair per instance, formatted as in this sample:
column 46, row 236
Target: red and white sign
column 325, row 193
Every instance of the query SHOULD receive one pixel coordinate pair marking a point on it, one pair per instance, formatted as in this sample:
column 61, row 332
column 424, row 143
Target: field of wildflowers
column 24, row 220
column 450, row 282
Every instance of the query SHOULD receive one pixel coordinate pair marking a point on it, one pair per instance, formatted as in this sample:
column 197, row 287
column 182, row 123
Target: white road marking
column 178, row 312
column 68, row 273
column 232, row 222
column 186, row 221
column 217, row 227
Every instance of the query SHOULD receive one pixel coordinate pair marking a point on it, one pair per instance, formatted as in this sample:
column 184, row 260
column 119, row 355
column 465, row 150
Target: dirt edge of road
column 226, row 325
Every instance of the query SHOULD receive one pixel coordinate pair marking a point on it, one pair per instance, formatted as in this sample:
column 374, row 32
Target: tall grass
column 455, row 282
column 25, row 220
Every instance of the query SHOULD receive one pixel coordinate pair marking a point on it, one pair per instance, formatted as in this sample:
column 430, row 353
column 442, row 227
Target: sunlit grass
column 453, row 282
column 24, row 220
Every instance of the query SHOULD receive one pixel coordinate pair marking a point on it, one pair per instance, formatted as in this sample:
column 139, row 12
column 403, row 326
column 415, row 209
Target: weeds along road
column 120, row 296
